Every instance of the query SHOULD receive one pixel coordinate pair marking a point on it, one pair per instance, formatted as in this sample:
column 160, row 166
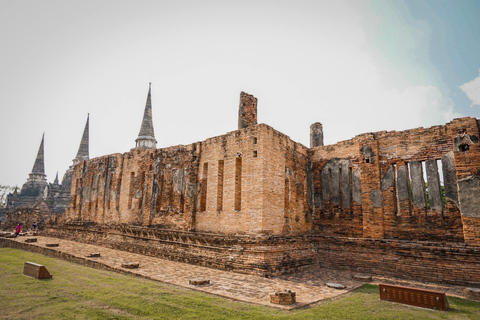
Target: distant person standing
column 34, row 226
column 18, row 229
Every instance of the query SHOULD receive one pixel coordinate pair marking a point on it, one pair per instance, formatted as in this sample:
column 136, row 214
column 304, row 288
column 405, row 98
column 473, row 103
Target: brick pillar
column 372, row 199
column 247, row 111
column 466, row 148
column 316, row 135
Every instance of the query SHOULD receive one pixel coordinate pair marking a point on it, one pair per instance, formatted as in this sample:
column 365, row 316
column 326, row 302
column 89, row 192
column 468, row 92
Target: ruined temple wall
column 251, row 180
column 284, row 185
column 96, row 191
column 337, row 201
column 408, row 160
column 392, row 166
column 136, row 187
column 467, row 166
column 173, row 202
column 228, row 173
column 125, row 188
column 242, row 177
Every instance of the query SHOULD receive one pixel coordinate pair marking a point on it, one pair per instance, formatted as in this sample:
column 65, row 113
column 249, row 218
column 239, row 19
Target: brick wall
column 247, row 181
column 392, row 167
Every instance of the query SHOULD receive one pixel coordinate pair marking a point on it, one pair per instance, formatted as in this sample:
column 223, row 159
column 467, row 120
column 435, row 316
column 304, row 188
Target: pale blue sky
column 356, row 66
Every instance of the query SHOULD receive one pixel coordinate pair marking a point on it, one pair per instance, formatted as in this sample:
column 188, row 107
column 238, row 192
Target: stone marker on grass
column 422, row 298
column 36, row 271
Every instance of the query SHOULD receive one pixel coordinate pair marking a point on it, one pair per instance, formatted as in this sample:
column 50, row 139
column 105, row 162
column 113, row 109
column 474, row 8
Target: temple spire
column 83, row 153
column 39, row 165
column 146, row 136
column 56, row 179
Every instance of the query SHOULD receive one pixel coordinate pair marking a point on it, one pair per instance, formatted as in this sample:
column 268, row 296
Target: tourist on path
column 18, row 229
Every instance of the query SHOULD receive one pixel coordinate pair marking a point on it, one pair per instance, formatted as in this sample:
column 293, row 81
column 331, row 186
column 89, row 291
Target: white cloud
column 472, row 90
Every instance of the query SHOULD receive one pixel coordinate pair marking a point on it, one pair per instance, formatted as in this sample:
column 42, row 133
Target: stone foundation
column 440, row 262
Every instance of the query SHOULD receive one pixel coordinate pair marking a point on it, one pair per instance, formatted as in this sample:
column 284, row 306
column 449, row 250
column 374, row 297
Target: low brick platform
column 93, row 255
column 285, row 297
column 130, row 265
column 51, row 245
column 309, row 286
column 199, row 282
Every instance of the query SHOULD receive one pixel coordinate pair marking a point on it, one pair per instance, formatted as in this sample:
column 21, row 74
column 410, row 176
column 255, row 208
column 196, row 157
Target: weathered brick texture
column 252, row 200
column 394, row 202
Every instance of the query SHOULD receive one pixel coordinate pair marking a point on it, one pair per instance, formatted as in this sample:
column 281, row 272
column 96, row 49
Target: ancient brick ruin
column 404, row 204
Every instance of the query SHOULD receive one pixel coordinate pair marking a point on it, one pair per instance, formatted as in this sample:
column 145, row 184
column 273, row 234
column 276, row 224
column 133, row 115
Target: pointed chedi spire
column 56, row 179
column 146, row 136
column 38, row 171
column 37, row 179
column 83, row 153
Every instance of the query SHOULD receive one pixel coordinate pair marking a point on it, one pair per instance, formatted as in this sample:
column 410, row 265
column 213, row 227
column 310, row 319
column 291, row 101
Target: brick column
column 372, row 200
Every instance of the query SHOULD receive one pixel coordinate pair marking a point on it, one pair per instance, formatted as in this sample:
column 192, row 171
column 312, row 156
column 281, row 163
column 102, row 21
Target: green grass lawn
column 78, row 292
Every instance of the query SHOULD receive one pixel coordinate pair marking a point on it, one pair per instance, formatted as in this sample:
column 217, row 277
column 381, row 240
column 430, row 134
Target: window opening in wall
column 182, row 203
column 160, row 179
column 286, row 194
column 90, row 195
column 170, row 197
column 254, row 140
column 119, row 189
column 254, row 154
column 238, row 184
column 107, row 190
column 75, row 195
column 330, row 185
column 395, row 189
column 425, row 179
column 367, row 160
column 430, row 174
column 442, row 184
column 203, row 195
column 142, row 183
column 350, row 183
column 220, row 185
column 340, row 186
column 130, row 192
column 464, row 147
column 417, row 184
